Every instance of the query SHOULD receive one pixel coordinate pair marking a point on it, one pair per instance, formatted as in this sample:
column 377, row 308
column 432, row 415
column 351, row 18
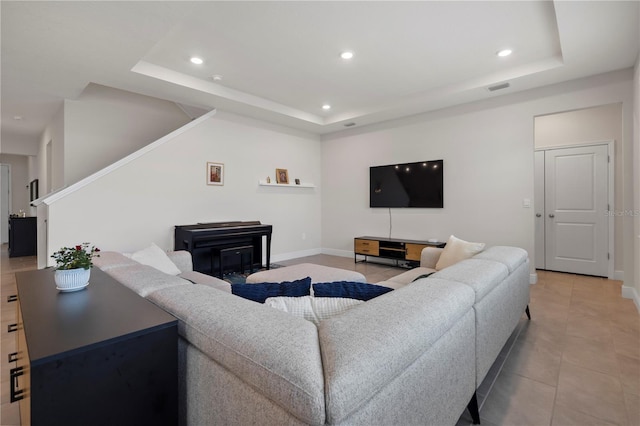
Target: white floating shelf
column 286, row 185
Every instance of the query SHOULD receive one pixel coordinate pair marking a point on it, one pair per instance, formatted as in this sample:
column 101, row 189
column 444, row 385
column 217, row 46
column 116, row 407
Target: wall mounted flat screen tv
column 407, row 185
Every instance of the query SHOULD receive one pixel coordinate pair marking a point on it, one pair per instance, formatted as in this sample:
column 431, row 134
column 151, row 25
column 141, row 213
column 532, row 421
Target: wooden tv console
column 391, row 248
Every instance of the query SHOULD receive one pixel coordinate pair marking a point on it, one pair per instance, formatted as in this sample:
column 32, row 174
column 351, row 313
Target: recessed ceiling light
column 17, row 117
column 196, row 60
column 504, row 52
column 326, row 107
column 346, row 55
column 216, row 77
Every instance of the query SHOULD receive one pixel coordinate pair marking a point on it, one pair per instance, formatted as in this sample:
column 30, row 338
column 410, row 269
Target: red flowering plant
column 79, row 256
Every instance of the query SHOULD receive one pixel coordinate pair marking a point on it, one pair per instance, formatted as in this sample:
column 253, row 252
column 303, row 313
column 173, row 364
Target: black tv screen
column 407, row 185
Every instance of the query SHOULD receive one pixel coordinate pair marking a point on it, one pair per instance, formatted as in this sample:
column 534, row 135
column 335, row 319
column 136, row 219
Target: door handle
column 15, row 393
column 538, row 215
column 551, row 215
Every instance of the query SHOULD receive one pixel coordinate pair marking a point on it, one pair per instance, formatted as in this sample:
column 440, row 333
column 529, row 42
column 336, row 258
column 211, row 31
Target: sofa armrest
column 182, row 259
column 429, row 257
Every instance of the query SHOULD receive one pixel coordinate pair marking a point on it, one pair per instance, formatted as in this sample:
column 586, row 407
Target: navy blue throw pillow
column 259, row 292
column 348, row 289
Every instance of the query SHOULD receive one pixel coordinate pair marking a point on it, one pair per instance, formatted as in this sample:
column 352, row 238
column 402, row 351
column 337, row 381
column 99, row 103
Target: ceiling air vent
column 498, row 87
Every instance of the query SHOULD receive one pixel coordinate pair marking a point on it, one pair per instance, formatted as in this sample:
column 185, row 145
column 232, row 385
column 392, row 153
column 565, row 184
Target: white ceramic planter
column 71, row 279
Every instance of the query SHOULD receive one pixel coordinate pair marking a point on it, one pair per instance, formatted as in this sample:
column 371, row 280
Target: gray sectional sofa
column 411, row 356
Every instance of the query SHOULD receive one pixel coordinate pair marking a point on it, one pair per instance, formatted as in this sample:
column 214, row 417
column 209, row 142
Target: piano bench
column 223, row 254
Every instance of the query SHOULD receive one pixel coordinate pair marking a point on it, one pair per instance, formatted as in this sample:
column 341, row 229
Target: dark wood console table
column 391, row 248
column 98, row 356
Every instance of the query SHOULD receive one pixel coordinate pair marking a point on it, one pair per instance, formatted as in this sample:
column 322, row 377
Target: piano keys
column 202, row 238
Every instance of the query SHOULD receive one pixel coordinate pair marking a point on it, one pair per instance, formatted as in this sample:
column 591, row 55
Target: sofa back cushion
column 107, row 260
column 273, row 352
column 144, row 279
column 371, row 345
column 182, row 259
column 481, row 275
column 511, row 257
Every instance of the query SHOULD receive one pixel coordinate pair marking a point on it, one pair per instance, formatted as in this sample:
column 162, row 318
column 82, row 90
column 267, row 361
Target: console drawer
column 367, row 247
column 414, row 251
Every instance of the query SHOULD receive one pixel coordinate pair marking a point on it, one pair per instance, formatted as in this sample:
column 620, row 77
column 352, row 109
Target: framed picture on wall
column 33, row 190
column 282, row 176
column 215, row 174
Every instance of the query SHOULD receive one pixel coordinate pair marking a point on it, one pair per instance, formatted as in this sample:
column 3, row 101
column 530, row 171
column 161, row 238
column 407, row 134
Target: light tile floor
column 576, row 363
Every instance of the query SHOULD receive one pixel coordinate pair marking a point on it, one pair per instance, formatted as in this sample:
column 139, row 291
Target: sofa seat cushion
column 273, row 352
column 318, row 274
column 512, row 257
column 410, row 276
column 369, row 346
column 481, row 275
column 204, row 279
column 144, row 279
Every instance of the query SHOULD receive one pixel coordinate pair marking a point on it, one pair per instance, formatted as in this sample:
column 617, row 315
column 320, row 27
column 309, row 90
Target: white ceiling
column 280, row 60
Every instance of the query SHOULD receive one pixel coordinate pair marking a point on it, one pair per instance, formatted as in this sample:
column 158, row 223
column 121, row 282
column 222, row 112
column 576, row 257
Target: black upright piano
column 203, row 238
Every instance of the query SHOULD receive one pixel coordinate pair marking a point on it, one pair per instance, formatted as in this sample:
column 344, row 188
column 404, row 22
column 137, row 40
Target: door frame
column 611, row 165
column 8, row 207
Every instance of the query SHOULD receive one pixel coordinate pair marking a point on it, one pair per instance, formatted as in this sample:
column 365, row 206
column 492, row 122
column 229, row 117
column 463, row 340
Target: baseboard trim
column 336, row 252
column 618, row 275
column 631, row 293
column 533, row 278
column 294, row 255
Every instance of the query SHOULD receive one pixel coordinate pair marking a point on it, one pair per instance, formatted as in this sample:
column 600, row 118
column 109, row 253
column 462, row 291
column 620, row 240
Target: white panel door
column 538, row 204
column 5, row 205
column 576, row 195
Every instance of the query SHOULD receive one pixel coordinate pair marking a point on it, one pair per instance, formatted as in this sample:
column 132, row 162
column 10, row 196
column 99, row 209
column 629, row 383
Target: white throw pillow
column 327, row 307
column 314, row 309
column 457, row 250
column 296, row 306
column 155, row 257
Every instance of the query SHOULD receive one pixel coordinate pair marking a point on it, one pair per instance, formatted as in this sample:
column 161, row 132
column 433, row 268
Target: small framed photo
column 215, row 174
column 282, row 176
column 33, row 190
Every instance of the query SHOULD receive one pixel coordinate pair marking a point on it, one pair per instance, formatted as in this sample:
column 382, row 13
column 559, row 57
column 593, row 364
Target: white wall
column 487, row 149
column 104, row 125
column 50, row 180
column 486, row 170
column 587, row 125
column 18, row 145
column 143, row 200
column 635, row 288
